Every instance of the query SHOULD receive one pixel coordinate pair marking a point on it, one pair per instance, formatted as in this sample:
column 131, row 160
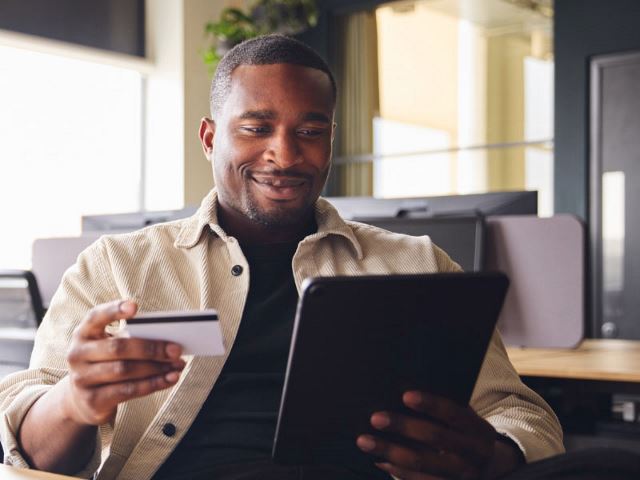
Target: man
column 133, row 409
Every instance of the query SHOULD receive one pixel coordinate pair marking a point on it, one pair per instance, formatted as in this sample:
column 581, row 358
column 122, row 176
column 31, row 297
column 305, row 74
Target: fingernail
column 172, row 377
column 173, row 350
column 380, row 420
column 366, row 443
column 126, row 307
column 413, row 398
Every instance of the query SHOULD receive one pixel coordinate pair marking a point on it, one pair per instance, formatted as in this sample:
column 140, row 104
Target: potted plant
column 288, row 17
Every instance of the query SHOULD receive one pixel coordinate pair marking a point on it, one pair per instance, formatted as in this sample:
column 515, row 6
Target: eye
column 310, row 132
column 255, row 129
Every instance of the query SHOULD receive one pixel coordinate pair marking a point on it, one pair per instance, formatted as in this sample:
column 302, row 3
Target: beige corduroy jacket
column 185, row 265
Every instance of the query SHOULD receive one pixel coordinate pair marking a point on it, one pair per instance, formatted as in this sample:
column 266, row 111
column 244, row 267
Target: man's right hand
column 105, row 370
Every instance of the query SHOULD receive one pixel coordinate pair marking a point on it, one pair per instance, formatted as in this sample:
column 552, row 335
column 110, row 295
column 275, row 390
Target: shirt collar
column 327, row 217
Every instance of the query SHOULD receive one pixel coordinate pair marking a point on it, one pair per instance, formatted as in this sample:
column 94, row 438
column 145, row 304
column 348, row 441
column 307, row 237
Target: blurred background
column 100, row 104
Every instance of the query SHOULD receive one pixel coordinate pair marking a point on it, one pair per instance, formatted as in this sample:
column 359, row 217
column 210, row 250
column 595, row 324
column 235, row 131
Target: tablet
column 359, row 342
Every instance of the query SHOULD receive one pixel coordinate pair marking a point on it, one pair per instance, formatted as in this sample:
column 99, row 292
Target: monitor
column 493, row 203
column 462, row 236
column 128, row 222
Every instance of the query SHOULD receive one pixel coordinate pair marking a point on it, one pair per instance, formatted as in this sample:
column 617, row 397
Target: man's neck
column 249, row 232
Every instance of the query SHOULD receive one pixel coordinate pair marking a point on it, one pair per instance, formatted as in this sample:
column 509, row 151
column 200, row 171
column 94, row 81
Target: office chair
column 19, row 289
column 21, row 313
column 14, row 293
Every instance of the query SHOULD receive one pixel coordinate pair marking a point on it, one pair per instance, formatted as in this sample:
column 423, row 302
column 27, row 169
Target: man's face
column 271, row 142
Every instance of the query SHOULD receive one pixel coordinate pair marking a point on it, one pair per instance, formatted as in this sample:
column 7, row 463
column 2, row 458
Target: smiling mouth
column 279, row 182
column 280, row 188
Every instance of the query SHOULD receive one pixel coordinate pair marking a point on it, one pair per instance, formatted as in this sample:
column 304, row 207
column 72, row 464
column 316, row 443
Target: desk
column 580, row 385
column 11, row 473
column 596, row 359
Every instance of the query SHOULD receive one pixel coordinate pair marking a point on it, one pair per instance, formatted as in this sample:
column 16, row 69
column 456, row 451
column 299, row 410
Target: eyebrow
column 271, row 115
column 258, row 115
column 315, row 117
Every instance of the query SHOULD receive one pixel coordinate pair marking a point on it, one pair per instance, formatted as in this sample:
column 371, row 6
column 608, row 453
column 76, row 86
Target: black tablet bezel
column 307, row 434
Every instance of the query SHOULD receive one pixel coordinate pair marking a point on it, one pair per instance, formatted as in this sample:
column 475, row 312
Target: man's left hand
column 445, row 441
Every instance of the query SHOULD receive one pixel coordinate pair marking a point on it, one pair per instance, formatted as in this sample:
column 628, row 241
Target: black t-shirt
column 236, row 424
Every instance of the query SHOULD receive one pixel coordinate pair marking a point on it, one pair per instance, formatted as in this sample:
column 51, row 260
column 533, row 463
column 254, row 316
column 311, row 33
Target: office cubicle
column 456, row 223
column 462, row 236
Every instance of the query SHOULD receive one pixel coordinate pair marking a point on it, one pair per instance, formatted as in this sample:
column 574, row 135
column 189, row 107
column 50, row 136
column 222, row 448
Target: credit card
column 198, row 331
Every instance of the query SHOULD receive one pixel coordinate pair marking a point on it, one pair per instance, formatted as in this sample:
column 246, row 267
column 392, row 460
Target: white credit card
column 198, row 331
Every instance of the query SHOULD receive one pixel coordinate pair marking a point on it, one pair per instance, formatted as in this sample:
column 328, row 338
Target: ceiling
column 492, row 14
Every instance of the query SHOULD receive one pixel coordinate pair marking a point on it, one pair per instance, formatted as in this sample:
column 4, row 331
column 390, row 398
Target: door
column 615, row 195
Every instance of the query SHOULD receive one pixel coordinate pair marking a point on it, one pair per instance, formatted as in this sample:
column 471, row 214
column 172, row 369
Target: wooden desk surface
column 594, row 359
column 11, row 473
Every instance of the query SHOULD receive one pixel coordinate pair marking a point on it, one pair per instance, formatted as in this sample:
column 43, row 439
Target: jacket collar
column 327, row 217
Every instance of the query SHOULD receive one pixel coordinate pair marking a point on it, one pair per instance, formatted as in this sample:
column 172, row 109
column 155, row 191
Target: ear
column 207, row 133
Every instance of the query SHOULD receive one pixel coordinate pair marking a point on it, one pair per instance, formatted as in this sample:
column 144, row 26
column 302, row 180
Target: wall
column 198, row 178
column 416, row 83
column 178, row 97
column 438, row 83
column 164, row 138
column 583, row 28
column 505, row 110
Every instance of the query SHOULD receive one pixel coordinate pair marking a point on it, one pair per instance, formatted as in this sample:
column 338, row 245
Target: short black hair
column 264, row 50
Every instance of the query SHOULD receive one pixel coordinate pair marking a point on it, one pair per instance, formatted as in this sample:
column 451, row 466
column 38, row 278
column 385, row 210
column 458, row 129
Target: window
column 468, row 88
column 409, row 174
column 70, row 145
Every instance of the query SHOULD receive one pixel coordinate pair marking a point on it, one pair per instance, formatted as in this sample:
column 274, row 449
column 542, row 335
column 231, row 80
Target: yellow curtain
column 358, row 99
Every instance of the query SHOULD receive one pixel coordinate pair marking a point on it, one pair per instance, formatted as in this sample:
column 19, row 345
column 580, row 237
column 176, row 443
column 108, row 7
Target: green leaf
column 235, row 26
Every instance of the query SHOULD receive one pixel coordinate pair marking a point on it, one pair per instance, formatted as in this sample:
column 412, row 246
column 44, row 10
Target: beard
column 276, row 217
column 238, row 192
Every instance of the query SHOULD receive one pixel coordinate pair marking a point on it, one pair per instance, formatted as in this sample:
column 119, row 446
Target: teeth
column 279, row 183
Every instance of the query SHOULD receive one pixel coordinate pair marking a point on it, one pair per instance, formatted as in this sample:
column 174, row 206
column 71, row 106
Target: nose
column 283, row 150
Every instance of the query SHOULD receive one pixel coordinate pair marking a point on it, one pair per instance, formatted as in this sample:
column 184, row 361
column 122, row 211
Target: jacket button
column 169, row 429
column 236, row 270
